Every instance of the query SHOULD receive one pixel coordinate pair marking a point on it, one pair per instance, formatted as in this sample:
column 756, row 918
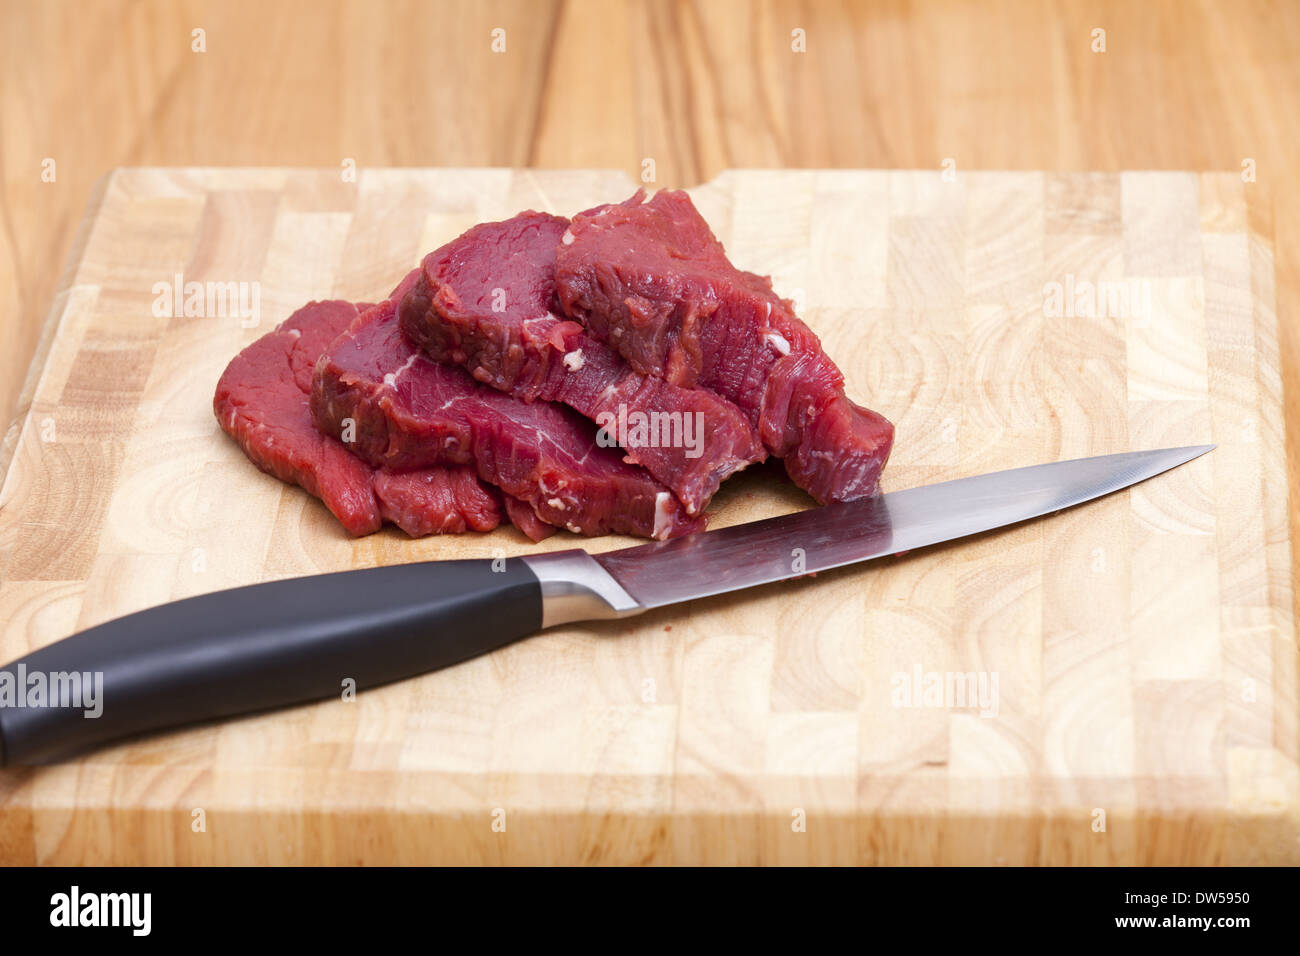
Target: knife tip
column 1192, row 452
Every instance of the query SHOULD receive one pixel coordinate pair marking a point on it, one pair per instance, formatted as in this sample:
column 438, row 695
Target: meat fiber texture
column 485, row 302
column 399, row 409
column 262, row 403
column 652, row 281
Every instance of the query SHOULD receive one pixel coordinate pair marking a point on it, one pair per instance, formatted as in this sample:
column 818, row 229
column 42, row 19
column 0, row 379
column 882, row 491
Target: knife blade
column 286, row 642
column 761, row 552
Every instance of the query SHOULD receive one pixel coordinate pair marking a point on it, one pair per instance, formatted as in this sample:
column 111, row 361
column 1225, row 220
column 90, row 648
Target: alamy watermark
column 946, row 689
column 1124, row 299
column 637, row 429
column 133, row 911
column 75, row 690
column 242, row 300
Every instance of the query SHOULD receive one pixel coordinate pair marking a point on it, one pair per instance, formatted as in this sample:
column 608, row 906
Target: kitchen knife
column 286, row 642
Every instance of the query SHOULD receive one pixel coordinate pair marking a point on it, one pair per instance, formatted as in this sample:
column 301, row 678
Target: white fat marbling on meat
column 567, row 238
column 555, row 503
column 778, row 342
column 390, row 378
column 574, row 360
column 663, row 515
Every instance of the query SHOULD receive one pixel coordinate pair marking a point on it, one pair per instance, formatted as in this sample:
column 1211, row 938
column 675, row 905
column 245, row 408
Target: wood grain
column 1143, row 647
column 698, row 87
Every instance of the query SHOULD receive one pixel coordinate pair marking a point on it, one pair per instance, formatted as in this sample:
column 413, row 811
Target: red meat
column 485, row 302
column 652, row 281
column 262, row 403
column 397, row 408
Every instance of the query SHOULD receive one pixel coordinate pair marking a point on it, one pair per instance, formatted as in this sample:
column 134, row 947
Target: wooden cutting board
column 1133, row 661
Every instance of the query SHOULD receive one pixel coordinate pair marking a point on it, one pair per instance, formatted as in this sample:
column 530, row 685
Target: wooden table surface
column 680, row 89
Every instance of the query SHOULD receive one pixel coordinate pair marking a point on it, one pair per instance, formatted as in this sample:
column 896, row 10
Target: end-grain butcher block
column 262, row 403
column 400, row 409
column 485, row 302
column 651, row 280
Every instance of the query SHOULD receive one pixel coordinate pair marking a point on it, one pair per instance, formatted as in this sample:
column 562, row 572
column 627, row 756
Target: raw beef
column 652, row 281
column 485, row 302
column 395, row 407
column 262, row 403
column 523, row 517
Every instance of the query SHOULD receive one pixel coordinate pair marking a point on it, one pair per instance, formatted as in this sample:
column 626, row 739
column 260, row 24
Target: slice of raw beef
column 485, row 302
column 395, row 407
column 651, row 280
column 262, row 403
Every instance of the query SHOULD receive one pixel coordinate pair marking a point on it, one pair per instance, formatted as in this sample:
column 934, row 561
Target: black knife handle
column 269, row 645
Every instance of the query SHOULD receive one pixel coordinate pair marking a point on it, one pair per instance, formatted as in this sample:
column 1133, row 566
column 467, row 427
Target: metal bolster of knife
column 576, row 588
